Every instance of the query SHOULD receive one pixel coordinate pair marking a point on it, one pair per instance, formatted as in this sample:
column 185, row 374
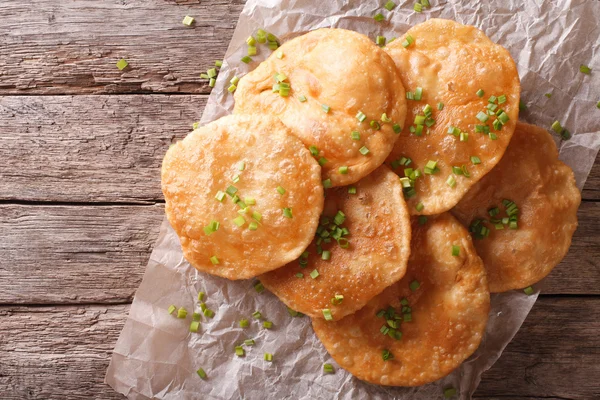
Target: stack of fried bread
column 382, row 191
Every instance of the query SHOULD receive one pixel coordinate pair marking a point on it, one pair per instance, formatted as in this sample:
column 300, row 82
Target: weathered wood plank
column 71, row 47
column 100, row 148
column 89, row 148
column 57, row 254
column 83, row 254
column 63, row 352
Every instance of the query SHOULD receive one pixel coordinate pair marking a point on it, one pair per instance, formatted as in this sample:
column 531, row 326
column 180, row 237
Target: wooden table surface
column 81, row 145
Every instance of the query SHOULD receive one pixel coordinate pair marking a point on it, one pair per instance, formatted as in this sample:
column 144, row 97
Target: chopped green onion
column 548, row 95
column 268, row 357
column 419, row 207
column 239, row 221
column 352, row 189
column 246, row 59
column 250, row 201
column 493, row 211
column 480, row 93
column 212, row 82
column 326, row 255
column 251, row 41
column 231, row 190
column 251, row 51
column 273, row 45
column 384, row 329
column 122, row 64
column 414, row 285
column 327, row 183
column 355, row 135
column 244, row 323
column 231, row 88
column 299, row 275
column 418, row 93
column 325, row 108
column 528, row 291
column 483, row 117
column 267, row 324
column 171, row 309
column 322, row 161
column 598, row 105
column 585, row 69
column 440, row 106
column 452, row 130
column 451, row 181
column 390, row 5
column 456, row 170
column 281, row 190
column 380, row 40
column 375, row 125
column 337, row 299
column 327, row 314
column 256, row 215
column 386, row 355
column 314, row 274
column 204, row 76
column 259, row 287
column 214, row 260
column 256, row 315
column 455, row 250
column 422, row 219
column 407, row 42
column 475, row 160
column 464, row 136
column 209, row 313
column 249, row 342
column 203, row 306
column 556, row 127
column 418, row 8
column 188, row 21
column 378, row 17
column 201, row 373
column 212, row 73
column 449, row 393
column 235, row 179
column 425, row 3
column 502, row 117
column 419, row 119
column 279, row 54
column 385, row 118
column 314, row 150
column 397, row 128
column 181, row 313
column 502, row 99
column 523, row 106
column 407, row 317
column 363, row 150
column 343, row 170
column 287, row 212
column 360, row 116
column 328, row 368
column 302, row 98
column 194, row 326
column 239, row 351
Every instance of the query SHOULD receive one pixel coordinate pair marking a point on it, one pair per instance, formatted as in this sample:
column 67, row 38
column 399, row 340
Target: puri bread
column 341, row 72
column 248, row 158
column 451, row 63
column 546, row 198
column 378, row 223
column 446, row 300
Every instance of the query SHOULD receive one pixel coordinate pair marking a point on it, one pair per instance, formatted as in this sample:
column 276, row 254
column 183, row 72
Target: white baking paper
column 156, row 356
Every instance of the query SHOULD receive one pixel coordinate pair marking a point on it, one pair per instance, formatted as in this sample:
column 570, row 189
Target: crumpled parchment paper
column 156, row 356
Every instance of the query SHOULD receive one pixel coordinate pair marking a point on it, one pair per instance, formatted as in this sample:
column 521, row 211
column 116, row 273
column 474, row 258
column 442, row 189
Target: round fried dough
column 379, row 246
column 342, row 70
column 449, row 311
column 451, row 63
column 545, row 192
column 263, row 155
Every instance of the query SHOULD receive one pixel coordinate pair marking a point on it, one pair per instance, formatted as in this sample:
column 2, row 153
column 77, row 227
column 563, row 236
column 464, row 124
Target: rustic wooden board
column 63, row 352
column 85, row 254
column 89, row 148
column 92, row 254
column 101, row 148
column 71, row 47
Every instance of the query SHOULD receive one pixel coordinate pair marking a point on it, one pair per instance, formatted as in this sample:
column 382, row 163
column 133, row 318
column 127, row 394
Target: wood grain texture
column 89, row 148
column 63, row 352
column 71, row 47
column 94, row 254
column 58, row 254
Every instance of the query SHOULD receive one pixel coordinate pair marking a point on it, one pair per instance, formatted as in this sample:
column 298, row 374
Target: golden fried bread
column 545, row 199
column 221, row 189
column 440, row 307
column 378, row 240
column 334, row 77
column 459, row 69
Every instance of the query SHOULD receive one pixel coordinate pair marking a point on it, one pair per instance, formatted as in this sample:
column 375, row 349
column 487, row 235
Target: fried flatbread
column 334, row 74
column 446, row 300
column 378, row 248
column 453, row 65
column 546, row 200
column 248, row 158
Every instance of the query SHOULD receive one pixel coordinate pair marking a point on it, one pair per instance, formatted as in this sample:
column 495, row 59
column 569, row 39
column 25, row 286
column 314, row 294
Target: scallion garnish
column 360, row 116
column 451, row 181
column 325, row 108
column 268, row 357
column 380, row 40
column 327, row 183
column 172, row 309
column 188, row 21
column 343, row 170
column 194, row 326
column 201, row 373
column 397, row 128
column 390, row 5
column 287, row 212
column 480, row 93
column 419, row 207
column 355, row 135
column 314, row 274
column 449, row 392
column 328, row 368
column 422, row 219
column 407, row 42
column 181, row 313
column 280, row 190
column 528, row 291
column 386, row 355
column 585, row 69
column 239, row 351
column 209, row 313
column 352, row 189
column 256, row 315
column 267, row 324
column 418, row 7
column 378, row 17
column 327, row 314
column 455, row 250
column 418, row 93
column 214, row 260
column 246, row 59
column 239, row 220
column 363, row 150
column 414, row 285
column 244, row 323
